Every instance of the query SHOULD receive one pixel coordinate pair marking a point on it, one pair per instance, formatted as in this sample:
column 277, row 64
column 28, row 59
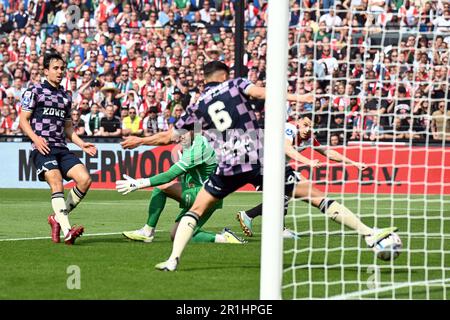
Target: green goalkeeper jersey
column 196, row 164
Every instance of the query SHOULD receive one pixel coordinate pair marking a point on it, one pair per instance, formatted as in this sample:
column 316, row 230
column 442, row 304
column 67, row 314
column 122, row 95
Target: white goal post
column 273, row 186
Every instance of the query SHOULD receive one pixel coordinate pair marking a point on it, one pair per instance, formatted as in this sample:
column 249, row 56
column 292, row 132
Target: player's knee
column 85, row 182
column 56, row 186
column 54, row 181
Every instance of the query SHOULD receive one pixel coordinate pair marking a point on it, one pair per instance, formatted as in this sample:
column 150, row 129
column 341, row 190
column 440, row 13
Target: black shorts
column 221, row 186
column 59, row 158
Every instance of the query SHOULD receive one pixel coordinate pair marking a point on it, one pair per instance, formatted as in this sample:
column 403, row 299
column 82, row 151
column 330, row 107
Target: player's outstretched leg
column 186, row 228
column 155, row 208
column 80, row 175
column 245, row 219
column 339, row 213
column 184, row 233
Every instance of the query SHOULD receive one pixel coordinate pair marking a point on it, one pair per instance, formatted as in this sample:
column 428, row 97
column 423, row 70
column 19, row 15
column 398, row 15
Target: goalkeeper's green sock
column 204, row 236
column 156, row 206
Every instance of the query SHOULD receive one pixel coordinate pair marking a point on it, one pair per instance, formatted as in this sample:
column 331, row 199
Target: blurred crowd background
column 379, row 69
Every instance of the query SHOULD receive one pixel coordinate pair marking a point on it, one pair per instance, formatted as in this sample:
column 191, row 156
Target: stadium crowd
column 379, row 68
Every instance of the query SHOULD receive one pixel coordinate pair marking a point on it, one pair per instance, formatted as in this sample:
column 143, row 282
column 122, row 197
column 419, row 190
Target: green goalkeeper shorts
column 187, row 200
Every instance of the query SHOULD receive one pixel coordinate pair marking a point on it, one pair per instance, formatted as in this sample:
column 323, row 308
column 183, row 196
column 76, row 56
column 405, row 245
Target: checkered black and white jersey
column 228, row 121
column 50, row 108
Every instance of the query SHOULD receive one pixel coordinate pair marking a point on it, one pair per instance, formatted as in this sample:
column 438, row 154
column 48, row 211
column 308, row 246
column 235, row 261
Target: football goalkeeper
column 298, row 137
column 196, row 164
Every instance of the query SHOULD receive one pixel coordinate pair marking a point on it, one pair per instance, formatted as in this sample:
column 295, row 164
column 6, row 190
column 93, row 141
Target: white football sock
column 74, row 198
column 148, row 231
column 339, row 213
column 220, row 238
column 184, row 233
column 60, row 210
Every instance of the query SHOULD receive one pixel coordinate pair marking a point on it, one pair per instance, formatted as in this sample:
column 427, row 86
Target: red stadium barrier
column 392, row 169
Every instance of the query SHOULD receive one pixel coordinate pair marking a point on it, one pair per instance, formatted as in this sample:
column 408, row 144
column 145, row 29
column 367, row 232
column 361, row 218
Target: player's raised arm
column 87, row 147
column 260, row 93
column 338, row 157
column 297, row 156
column 160, row 139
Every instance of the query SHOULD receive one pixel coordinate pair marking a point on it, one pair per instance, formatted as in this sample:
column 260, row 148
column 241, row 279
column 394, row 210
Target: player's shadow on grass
column 115, row 240
column 221, row 267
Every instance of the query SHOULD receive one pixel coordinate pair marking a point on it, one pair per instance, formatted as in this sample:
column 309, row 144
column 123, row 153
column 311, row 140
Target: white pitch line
column 389, row 288
column 122, row 203
column 84, row 235
column 307, row 234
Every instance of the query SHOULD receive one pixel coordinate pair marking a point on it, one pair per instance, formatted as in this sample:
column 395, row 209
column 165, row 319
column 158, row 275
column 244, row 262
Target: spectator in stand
column 440, row 125
column 335, row 140
column 77, row 122
column 376, row 131
column 177, row 113
column 176, row 99
column 92, row 120
column 337, row 125
column 150, row 123
column 5, row 120
column 110, row 125
column 132, row 124
column 165, row 120
column 110, row 93
column 334, row 51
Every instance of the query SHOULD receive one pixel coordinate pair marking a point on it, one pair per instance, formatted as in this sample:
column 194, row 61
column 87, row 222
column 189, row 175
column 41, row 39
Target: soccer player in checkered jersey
column 298, row 137
column 229, row 123
column 45, row 119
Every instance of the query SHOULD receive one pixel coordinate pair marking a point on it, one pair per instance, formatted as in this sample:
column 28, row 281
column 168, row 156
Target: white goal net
column 380, row 71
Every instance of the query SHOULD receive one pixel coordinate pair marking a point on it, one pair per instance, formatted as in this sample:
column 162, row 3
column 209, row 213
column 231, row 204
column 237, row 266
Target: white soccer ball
column 389, row 248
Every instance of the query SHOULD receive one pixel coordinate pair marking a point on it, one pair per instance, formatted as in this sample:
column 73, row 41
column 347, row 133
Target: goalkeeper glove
column 129, row 184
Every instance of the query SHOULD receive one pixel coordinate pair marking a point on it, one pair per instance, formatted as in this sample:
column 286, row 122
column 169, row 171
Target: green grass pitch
column 112, row 267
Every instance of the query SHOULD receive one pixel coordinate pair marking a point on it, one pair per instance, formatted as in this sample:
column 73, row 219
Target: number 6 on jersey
column 220, row 117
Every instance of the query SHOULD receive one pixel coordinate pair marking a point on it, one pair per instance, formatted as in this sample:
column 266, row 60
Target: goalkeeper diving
column 298, row 136
column 195, row 165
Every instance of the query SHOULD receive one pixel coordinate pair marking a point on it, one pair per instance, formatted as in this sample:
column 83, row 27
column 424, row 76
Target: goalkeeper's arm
column 129, row 184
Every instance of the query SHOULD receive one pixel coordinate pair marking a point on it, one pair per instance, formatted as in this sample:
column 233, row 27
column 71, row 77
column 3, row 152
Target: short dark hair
column 215, row 66
column 49, row 56
column 302, row 115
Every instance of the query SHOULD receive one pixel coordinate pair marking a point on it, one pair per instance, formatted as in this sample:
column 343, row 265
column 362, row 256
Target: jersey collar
column 211, row 84
column 47, row 85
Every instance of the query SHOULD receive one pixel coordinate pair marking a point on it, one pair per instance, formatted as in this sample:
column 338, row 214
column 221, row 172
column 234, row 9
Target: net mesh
column 379, row 72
